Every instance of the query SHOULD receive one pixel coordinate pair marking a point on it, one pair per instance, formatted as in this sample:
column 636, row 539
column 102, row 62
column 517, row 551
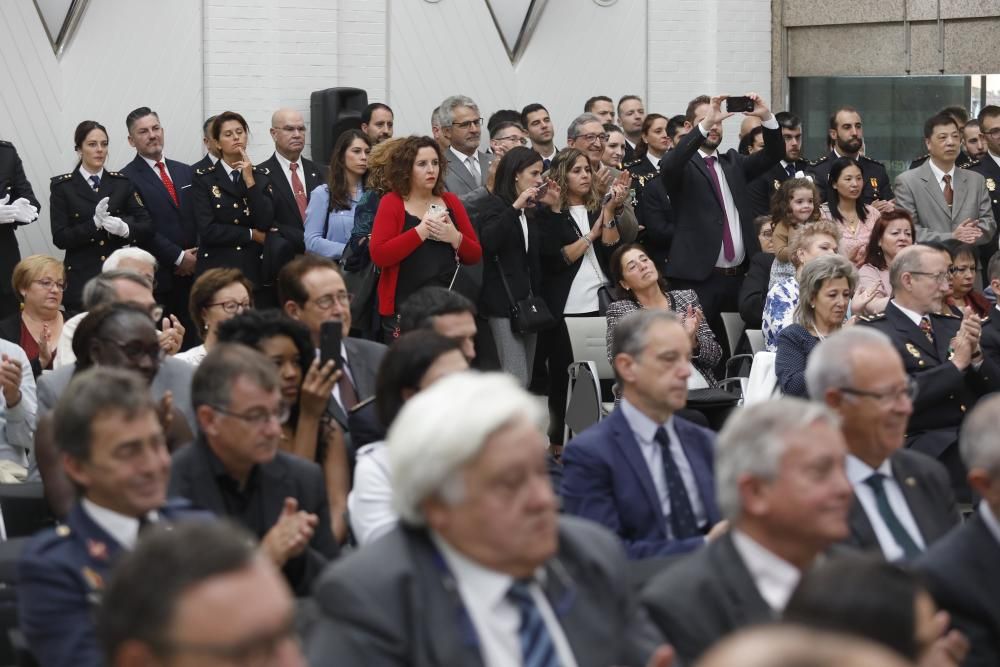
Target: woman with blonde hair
column 39, row 282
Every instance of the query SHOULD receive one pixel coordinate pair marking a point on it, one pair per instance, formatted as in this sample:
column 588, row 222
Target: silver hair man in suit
column 462, row 126
column 946, row 202
column 482, row 570
column 779, row 472
column 902, row 499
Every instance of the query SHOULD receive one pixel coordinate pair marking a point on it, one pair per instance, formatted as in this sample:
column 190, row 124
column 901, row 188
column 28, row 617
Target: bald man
column 789, row 645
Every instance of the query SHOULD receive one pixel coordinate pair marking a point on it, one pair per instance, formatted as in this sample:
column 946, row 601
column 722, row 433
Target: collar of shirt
column 914, row 316
column 642, row 426
column 990, row 519
column 152, row 164
column 775, row 577
column 125, row 529
column 487, row 586
column 229, row 170
column 286, row 166
column 629, row 142
column 655, row 161
column 858, row 471
column 462, row 157
column 86, row 174
column 939, row 175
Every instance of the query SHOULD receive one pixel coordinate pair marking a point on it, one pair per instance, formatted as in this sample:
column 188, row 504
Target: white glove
column 8, row 212
column 100, row 213
column 115, row 226
column 26, row 211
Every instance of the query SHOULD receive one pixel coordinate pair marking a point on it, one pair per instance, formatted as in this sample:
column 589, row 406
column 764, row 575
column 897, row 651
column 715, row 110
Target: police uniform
column 990, row 170
column 642, row 172
column 62, row 573
column 14, row 184
column 226, row 213
column 945, row 393
column 876, row 179
column 763, row 187
column 962, row 160
column 72, row 201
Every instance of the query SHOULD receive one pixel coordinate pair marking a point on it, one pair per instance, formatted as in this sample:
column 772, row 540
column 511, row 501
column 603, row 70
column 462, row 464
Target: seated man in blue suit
column 644, row 473
column 108, row 428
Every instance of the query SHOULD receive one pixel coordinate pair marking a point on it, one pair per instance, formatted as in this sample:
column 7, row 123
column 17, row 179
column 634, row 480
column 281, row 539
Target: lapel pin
column 912, row 349
column 216, row 192
column 97, row 550
column 93, row 579
column 911, row 481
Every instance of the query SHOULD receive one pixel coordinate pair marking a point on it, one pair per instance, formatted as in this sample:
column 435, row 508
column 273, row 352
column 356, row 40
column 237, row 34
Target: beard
column 850, row 146
column 710, row 143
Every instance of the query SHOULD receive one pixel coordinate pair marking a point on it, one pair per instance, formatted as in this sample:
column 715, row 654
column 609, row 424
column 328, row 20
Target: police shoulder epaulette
column 627, row 165
column 971, row 163
column 872, row 318
column 116, row 174
column 868, row 159
column 62, row 177
column 819, row 161
column 949, row 315
column 201, row 171
column 262, row 170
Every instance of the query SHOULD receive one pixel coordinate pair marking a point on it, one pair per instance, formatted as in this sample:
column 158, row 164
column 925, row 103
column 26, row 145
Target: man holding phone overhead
column 715, row 238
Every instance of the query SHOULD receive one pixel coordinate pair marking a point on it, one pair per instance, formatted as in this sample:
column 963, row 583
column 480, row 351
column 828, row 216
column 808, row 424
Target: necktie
column 790, row 170
column 545, row 163
column 925, row 326
column 235, row 175
column 728, row 249
column 473, row 166
column 899, row 534
column 298, row 190
column 96, row 180
column 537, row 648
column 348, row 396
column 949, row 194
column 682, row 521
column 165, row 177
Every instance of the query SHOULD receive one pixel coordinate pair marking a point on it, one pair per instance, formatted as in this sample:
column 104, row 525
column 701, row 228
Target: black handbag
column 528, row 315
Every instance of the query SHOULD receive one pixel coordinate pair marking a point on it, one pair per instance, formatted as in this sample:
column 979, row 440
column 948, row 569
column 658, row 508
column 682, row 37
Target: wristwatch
column 611, row 224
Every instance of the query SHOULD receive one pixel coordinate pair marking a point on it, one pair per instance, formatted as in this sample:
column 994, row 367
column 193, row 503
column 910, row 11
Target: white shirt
column 495, row 619
column 644, row 429
column 857, row 472
column 347, row 369
column 990, row 519
column 369, row 504
column 589, row 277
column 86, row 175
column 774, row 577
column 193, row 356
column 466, row 159
column 653, row 160
column 939, row 175
column 914, row 316
column 286, row 168
column 124, row 529
column 551, row 155
column 524, row 228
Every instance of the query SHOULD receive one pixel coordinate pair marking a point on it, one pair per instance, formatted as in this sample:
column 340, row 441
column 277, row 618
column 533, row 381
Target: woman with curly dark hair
column 420, row 230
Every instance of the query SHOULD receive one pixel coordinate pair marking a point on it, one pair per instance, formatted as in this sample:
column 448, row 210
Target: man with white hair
column 482, row 571
column 963, row 569
column 461, row 125
column 902, row 499
column 780, row 481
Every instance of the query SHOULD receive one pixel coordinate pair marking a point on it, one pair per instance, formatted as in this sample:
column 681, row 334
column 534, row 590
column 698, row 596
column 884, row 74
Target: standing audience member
column 654, row 142
column 535, row 120
column 506, row 135
column 18, row 206
column 644, row 473
column 614, row 147
column 331, row 212
column 233, row 204
column 414, row 362
column 714, row 236
column 578, row 235
column 792, row 165
column 219, row 602
column 825, row 288
column 903, row 499
column 755, row 283
column 989, row 165
column 892, row 232
column 990, row 340
column 419, row 228
column 211, row 149
column 40, row 283
column 843, row 204
column 847, row 139
column 467, row 166
column 114, row 450
column 93, row 212
column 377, row 122
column 601, row 106
column 436, row 132
column 973, row 141
column 482, row 542
column 308, row 431
column 165, row 188
column 237, row 470
column 779, row 470
column 631, row 114
column 218, row 295
column 752, row 142
column 19, row 410
column 961, row 568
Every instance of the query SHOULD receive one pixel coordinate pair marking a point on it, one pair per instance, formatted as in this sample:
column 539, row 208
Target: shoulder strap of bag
column 503, row 279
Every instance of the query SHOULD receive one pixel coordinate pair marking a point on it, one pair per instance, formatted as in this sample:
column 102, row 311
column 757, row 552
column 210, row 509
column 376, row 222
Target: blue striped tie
column 96, row 180
column 536, row 642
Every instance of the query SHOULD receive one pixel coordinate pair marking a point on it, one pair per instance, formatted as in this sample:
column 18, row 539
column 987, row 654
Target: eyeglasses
column 326, row 301
column 514, row 138
column 591, row 138
column 937, row 277
column 136, row 350
column 47, row 284
column 961, row 269
column 465, row 125
column 887, row 397
column 993, row 133
column 231, row 307
column 258, row 416
column 255, row 652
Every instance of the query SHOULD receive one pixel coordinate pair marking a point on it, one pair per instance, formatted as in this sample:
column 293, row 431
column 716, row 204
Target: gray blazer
column 918, row 192
column 394, row 603
column 458, row 179
column 363, row 358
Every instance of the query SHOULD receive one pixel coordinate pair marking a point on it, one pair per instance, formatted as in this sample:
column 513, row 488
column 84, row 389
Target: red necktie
column 298, row 190
column 949, row 194
column 728, row 248
column 165, row 177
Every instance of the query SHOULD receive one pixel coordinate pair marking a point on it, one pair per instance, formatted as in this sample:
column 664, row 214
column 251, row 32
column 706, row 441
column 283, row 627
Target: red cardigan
column 389, row 247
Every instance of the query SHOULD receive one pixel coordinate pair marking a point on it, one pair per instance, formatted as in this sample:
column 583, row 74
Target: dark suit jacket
column 72, row 202
column 286, row 476
column 14, row 184
column 656, row 213
column 961, row 571
column 702, row 598
column 754, row 290
column 764, row 186
column 174, row 229
column 606, row 479
column 363, row 358
column 394, row 603
column 990, row 339
column 557, row 231
column 290, row 224
column 61, row 577
column 927, row 490
column 502, row 240
column 699, row 213
column 206, row 162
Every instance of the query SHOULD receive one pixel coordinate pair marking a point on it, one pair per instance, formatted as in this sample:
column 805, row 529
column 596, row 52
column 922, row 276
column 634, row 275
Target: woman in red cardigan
column 421, row 232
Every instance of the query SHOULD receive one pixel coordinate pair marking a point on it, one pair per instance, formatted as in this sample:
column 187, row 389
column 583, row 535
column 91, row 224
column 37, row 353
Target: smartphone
column 542, row 189
column 739, row 104
column 435, row 209
column 330, row 334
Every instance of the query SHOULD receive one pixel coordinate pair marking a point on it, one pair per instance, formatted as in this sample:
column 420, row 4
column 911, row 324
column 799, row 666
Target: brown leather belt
column 726, row 270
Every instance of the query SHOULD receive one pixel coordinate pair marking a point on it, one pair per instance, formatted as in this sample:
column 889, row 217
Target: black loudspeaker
column 333, row 111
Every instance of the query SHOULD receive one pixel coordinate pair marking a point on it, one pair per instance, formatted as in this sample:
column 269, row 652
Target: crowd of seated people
column 347, row 382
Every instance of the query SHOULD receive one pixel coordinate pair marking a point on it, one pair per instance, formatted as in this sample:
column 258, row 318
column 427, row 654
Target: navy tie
column 545, row 163
column 96, row 180
column 236, row 177
column 790, row 170
column 682, row 521
column 899, row 534
column 537, row 648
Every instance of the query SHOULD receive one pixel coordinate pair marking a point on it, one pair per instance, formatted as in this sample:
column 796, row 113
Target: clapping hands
column 20, row 210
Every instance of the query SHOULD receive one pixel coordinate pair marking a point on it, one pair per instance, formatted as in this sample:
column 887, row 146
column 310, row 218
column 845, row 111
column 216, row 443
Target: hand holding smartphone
column 330, row 336
column 739, row 105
